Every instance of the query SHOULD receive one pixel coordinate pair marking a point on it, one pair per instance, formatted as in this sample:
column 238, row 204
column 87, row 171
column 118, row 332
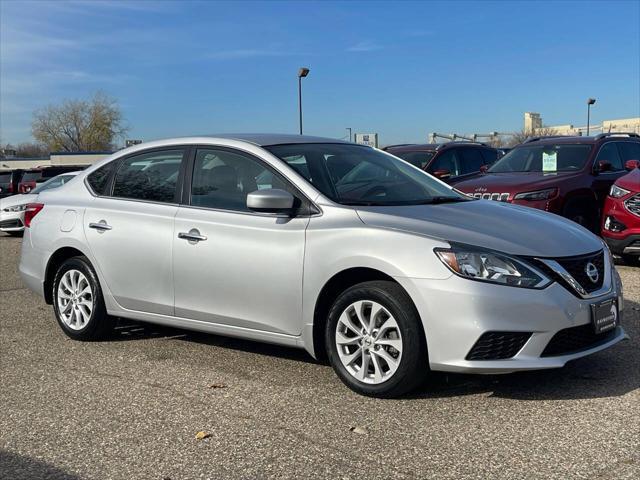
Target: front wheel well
column 57, row 259
column 334, row 287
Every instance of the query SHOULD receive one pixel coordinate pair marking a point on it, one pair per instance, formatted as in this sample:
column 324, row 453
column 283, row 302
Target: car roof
column 428, row 147
column 575, row 139
column 268, row 139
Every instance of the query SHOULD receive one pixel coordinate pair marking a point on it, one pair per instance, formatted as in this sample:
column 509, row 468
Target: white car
column 12, row 208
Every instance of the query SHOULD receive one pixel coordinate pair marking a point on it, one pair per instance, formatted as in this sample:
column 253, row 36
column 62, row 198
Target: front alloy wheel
column 375, row 340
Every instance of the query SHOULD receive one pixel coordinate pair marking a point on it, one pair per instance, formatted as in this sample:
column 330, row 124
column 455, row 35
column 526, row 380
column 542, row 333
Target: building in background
column 55, row 159
column 533, row 123
column 370, row 139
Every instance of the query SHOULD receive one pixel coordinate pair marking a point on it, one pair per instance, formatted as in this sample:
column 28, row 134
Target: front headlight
column 537, row 195
column 16, row 208
column 488, row 266
column 617, row 192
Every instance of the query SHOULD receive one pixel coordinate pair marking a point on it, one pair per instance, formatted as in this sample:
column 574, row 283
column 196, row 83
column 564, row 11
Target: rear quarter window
column 99, row 180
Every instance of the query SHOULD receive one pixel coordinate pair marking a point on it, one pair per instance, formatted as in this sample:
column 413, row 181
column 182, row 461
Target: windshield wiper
column 444, row 199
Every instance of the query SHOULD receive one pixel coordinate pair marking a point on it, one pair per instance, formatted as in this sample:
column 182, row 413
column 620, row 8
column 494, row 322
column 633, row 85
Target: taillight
column 31, row 211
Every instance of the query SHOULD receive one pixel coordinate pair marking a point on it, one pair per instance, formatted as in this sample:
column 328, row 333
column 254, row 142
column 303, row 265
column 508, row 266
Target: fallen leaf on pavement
column 359, row 430
column 202, row 435
column 217, row 385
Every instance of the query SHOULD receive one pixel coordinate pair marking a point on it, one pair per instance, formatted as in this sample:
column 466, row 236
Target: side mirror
column 484, row 168
column 604, row 165
column 270, row 200
column 631, row 164
column 442, row 173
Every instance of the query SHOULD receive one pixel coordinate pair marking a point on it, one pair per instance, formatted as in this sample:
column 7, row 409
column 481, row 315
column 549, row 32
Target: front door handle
column 101, row 226
column 192, row 235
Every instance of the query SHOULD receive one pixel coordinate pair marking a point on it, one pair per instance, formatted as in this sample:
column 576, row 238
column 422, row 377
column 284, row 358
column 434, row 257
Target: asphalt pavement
column 131, row 407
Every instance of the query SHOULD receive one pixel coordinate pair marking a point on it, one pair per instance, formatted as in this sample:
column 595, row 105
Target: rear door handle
column 100, row 226
column 192, row 235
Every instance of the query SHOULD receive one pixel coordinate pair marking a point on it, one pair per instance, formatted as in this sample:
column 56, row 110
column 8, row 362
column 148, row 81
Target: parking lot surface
column 131, row 408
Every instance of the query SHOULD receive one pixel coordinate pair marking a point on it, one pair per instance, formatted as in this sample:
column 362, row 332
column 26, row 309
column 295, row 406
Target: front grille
column 15, row 223
column 498, row 197
column 498, row 345
column 575, row 339
column 577, row 268
column 633, row 204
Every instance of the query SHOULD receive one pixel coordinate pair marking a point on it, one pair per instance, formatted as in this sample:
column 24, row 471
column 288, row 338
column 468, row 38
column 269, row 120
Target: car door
column 129, row 227
column 472, row 160
column 233, row 266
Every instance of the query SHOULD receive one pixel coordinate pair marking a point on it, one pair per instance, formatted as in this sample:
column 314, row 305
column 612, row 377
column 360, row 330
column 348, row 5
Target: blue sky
column 402, row 69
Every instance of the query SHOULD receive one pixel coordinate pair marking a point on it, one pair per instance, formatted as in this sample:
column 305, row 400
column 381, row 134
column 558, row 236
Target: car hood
column 514, row 182
column 493, row 225
column 631, row 181
column 16, row 200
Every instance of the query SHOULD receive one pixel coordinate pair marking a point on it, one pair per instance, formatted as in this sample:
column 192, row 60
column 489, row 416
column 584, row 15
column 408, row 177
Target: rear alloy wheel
column 78, row 302
column 375, row 340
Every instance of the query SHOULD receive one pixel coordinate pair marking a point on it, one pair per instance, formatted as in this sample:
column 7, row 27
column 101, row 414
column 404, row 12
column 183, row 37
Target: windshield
column 417, row 159
column 54, row 182
column 360, row 175
column 543, row 158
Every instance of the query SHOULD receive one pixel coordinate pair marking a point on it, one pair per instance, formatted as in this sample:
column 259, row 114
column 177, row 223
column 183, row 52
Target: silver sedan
column 337, row 248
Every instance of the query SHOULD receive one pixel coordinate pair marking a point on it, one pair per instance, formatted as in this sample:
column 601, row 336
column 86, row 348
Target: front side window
column 417, row 159
column 473, row 160
column 609, row 153
column 150, row 176
column 449, row 160
column 543, row 158
column 222, row 179
column 360, row 175
column 31, row 176
column 629, row 151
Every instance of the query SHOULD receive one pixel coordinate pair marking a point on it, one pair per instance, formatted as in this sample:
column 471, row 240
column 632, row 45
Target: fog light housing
column 614, row 225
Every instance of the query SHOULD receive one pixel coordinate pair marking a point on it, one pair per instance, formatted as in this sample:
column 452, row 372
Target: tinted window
column 418, row 159
column 448, row 160
column 543, row 158
column 629, row 151
column 222, row 179
column 5, row 177
column 609, row 153
column 31, row 176
column 490, row 156
column 359, row 175
column 473, row 160
column 150, row 176
column 99, row 180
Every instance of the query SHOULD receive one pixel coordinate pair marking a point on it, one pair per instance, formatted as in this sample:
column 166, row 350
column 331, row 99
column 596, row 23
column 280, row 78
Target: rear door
column 246, row 268
column 129, row 227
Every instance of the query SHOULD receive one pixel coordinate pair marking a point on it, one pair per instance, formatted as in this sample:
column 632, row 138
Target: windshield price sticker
column 549, row 161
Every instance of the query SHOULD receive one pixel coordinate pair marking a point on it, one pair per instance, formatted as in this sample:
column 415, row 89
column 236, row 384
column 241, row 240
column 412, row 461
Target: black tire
column 414, row 364
column 100, row 325
column 631, row 260
column 584, row 212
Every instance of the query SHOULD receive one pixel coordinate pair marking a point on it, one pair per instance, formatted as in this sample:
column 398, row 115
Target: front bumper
column 456, row 312
column 11, row 221
column 629, row 245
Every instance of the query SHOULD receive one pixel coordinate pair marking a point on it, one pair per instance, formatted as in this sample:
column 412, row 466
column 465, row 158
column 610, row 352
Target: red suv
column 621, row 219
column 451, row 162
column 569, row 176
column 28, row 180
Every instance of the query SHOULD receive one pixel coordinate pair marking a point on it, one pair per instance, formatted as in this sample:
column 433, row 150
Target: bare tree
column 518, row 137
column 79, row 125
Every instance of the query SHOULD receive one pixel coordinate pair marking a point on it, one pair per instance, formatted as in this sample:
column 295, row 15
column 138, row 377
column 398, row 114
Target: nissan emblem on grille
column 592, row 272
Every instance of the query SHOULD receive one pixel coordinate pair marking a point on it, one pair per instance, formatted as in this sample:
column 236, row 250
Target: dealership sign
column 370, row 139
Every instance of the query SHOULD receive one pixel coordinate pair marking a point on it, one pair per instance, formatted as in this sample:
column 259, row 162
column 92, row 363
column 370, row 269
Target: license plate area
column 604, row 316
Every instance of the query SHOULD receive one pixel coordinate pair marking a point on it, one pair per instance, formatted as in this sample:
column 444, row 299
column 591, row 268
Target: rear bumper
column 33, row 264
column 11, row 221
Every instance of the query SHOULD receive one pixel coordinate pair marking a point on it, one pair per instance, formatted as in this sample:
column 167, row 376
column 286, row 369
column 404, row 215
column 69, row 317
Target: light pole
column 349, row 128
column 303, row 72
column 590, row 102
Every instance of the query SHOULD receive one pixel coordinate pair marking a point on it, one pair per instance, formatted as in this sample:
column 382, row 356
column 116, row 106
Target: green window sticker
column 549, row 161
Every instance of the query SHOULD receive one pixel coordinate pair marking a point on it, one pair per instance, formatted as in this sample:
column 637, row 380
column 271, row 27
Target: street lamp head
column 591, row 101
column 304, row 71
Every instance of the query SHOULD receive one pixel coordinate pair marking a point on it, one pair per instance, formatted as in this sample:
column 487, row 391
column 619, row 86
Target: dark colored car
column 9, row 181
column 451, row 162
column 621, row 219
column 569, row 176
column 31, row 178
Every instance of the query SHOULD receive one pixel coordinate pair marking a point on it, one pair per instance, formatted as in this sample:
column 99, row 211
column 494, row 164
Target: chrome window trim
column 607, row 284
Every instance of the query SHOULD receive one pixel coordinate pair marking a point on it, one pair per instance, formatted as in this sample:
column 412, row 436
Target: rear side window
column 99, row 180
column 151, row 176
column 473, row 160
column 5, row 177
column 31, row 176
